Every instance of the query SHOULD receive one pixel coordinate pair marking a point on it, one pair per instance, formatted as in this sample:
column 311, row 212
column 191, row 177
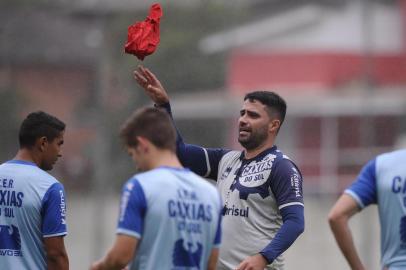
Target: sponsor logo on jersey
column 124, row 202
column 63, row 207
column 10, row 241
column 295, row 182
column 130, row 186
column 235, row 211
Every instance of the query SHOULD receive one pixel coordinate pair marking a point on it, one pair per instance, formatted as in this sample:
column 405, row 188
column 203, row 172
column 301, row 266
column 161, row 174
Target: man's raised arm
column 203, row 161
column 152, row 86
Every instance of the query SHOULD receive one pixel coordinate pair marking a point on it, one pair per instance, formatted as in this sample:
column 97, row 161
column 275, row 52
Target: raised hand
column 151, row 85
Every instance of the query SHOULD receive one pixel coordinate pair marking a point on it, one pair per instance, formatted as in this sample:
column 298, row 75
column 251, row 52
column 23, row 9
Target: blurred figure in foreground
column 382, row 181
column 32, row 202
column 169, row 217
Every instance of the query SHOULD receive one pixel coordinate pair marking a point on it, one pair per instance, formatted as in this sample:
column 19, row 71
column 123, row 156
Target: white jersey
column 254, row 191
column 383, row 182
column 32, row 206
column 176, row 215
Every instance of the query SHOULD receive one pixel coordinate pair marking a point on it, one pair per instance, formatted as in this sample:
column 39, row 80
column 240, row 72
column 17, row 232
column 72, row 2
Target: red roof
column 319, row 71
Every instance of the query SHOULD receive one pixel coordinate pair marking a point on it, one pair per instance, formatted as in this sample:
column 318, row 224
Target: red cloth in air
column 143, row 37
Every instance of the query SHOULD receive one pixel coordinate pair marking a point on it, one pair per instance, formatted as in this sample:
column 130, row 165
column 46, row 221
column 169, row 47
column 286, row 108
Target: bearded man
column 261, row 188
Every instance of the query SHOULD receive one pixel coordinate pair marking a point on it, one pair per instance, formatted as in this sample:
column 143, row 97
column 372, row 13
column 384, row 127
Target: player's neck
column 27, row 155
column 165, row 158
column 252, row 153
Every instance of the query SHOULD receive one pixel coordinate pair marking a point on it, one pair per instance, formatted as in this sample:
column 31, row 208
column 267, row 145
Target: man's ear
column 42, row 143
column 274, row 126
column 143, row 143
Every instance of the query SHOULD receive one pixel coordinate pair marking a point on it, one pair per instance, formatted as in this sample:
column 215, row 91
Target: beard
column 139, row 169
column 254, row 139
column 46, row 166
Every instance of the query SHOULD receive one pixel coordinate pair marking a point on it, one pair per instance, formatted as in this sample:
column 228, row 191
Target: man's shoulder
column 284, row 161
column 233, row 154
column 393, row 155
column 164, row 175
column 154, row 173
column 153, row 181
column 204, row 183
column 46, row 177
column 38, row 176
column 390, row 161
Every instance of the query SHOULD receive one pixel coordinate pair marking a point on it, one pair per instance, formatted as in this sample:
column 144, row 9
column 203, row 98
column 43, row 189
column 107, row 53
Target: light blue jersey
column 383, row 181
column 176, row 216
column 32, row 206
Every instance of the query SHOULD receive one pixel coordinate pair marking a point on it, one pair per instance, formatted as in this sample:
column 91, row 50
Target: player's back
column 181, row 220
column 391, row 186
column 24, row 189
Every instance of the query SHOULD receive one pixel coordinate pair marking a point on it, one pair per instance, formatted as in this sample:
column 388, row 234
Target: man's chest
column 242, row 179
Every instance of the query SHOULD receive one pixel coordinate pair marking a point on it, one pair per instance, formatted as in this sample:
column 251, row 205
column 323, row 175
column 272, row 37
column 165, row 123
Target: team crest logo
column 403, row 232
column 10, row 237
column 187, row 254
column 254, row 178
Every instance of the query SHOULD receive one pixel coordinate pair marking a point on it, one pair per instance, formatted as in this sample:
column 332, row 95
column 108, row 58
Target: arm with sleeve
column 202, row 161
column 287, row 187
column 217, row 238
column 54, row 211
column 363, row 190
column 132, row 210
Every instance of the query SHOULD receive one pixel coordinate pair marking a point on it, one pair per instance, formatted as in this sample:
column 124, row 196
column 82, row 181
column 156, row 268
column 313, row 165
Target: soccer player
column 261, row 187
column 382, row 181
column 169, row 216
column 32, row 202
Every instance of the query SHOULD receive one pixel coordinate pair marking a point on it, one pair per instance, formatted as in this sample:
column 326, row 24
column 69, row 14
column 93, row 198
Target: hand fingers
column 142, row 70
column 140, row 79
column 243, row 266
column 239, row 267
column 147, row 74
column 138, row 75
column 151, row 77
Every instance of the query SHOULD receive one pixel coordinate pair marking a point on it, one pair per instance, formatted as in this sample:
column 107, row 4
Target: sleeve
column 292, row 227
column 54, row 212
column 202, row 161
column 363, row 190
column 133, row 207
column 217, row 238
column 287, row 184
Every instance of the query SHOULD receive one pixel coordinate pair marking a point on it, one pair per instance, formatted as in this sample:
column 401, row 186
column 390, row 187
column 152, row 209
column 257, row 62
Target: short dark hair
column 39, row 124
column 274, row 102
column 151, row 123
